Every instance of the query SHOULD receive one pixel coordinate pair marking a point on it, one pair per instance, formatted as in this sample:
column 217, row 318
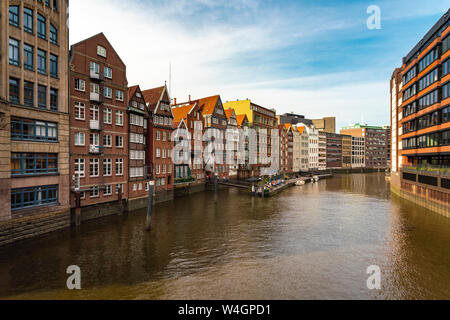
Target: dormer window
column 101, row 51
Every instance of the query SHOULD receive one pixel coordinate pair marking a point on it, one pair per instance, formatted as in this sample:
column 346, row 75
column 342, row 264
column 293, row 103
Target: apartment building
column 375, row 138
column 244, row 171
column 34, row 115
column 232, row 145
column 259, row 118
column 396, row 115
column 286, row 148
column 158, row 103
column 334, row 151
column 420, row 113
column 304, row 148
column 358, row 152
column 98, row 123
column 296, row 150
column 322, row 150
column 140, row 168
column 190, row 117
column 346, row 151
column 313, row 145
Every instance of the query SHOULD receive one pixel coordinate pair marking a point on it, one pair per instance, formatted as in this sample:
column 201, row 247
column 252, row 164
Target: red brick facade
column 98, row 122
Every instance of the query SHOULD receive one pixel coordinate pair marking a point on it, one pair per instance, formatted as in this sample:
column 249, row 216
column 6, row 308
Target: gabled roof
column 152, row 96
column 102, row 35
column 300, row 130
column 180, row 113
column 240, row 119
column 229, row 113
column 131, row 92
column 288, row 126
column 208, row 104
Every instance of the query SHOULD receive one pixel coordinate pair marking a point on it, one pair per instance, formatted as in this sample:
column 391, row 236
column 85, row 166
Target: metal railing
column 440, row 170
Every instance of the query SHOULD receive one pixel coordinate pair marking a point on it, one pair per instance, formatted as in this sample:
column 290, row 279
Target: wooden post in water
column 77, row 209
column 150, row 205
column 263, row 187
column 216, row 187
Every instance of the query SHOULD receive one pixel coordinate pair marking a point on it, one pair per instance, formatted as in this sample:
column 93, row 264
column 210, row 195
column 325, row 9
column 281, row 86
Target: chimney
column 189, row 99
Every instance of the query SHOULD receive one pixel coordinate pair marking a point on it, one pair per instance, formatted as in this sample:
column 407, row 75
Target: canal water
column 309, row 242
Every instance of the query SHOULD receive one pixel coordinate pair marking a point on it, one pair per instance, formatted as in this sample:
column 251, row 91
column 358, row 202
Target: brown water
column 310, row 242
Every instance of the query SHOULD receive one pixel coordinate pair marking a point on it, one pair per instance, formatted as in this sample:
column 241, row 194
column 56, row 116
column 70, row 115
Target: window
column 119, row 186
column 53, row 99
column 93, row 167
column 14, row 55
column 34, row 196
column 55, row 5
column 446, row 91
column 53, row 66
column 79, row 111
column 119, row 118
column 428, row 99
column 94, row 67
column 32, row 130
column 119, row 167
column 14, row 15
column 42, row 61
column 101, row 51
column 158, row 152
column 107, row 92
column 79, row 167
column 94, row 139
column 28, row 20
column 107, row 72
column 107, row 115
column 119, row 142
column 80, row 85
column 108, row 190
column 33, row 163
column 28, row 56
column 158, row 135
column 28, row 94
column 428, row 79
column 42, row 97
column 94, row 192
column 53, row 34
column 107, row 141
column 445, row 44
column 14, row 90
column 79, row 138
column 95, row 88
column 47, row 3
column 119, row 95
column 428, row 59
column 94, row 113
column 107, row 167
column 41, row 27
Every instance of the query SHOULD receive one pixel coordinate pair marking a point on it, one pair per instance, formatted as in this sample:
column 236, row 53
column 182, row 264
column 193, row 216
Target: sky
column 315, row 58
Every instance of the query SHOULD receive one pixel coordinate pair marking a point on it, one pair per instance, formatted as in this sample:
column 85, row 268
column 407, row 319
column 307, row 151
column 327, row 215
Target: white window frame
column 107, row 92
column 107, row 167
column 119, row 116
column 78, row 107
column 107, row 115
column 101, row 51
column 119, row 95
column 107, row 72
column 80, row 134
column 119, row 167
column 80, row 87
column 95, row 163
column 107, row 141
column 80, row 163
column 108, row 190
column 119, row 145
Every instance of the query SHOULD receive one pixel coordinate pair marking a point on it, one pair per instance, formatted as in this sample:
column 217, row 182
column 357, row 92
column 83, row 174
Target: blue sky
column 316, row 58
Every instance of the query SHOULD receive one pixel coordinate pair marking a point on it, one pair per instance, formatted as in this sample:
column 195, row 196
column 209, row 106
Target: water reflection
column 311, row 242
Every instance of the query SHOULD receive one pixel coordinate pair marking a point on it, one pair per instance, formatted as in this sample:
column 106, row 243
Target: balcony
column 95, row 125
column 95, row 97
column 95, row 75
column 93, row 149
column 427, row 169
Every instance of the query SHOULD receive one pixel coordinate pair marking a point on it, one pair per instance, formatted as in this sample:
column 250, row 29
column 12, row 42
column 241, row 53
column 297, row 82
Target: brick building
column 34, row 121
column 346, row 151
column 158, row 102
column 376, row 146
column 334, row 151
column 98, row 122
column 140, row 168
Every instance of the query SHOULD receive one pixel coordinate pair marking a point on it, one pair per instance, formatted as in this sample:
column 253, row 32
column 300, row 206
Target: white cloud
column 148, row 38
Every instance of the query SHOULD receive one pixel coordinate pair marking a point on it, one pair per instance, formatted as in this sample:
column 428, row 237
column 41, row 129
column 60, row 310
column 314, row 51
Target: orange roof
column 300, row 129
column 288, row 126
column 208, row 104
column 240, row 118
column 131, row 92
column 229, row 113
column 180, row 113
column 152, row 96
